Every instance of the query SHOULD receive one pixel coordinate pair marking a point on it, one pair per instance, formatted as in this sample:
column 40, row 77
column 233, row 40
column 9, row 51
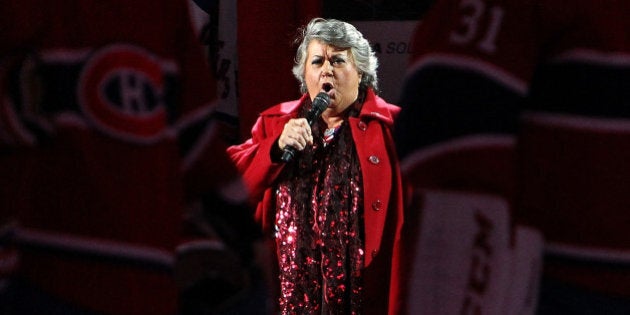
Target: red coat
column 382, row 187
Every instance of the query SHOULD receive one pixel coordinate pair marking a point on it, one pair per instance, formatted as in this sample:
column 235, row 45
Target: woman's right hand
column 296, row 134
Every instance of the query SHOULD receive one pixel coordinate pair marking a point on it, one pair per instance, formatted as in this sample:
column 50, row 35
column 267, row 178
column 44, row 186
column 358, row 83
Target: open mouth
column 327, row 87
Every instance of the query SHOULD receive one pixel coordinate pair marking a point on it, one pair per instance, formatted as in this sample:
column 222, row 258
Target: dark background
column 355, row 10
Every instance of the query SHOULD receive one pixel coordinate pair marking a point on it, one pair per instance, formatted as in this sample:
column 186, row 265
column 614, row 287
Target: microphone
column 320, row 103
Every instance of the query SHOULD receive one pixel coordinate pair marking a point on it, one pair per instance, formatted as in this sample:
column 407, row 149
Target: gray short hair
column 341, row 35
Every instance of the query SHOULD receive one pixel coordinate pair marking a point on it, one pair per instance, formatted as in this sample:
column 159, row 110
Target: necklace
column 329, row 134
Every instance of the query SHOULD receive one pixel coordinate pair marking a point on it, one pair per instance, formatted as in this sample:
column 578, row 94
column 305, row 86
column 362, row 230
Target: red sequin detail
column 319, row 236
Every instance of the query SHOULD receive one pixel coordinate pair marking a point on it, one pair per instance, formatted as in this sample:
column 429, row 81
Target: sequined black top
column 319, row 220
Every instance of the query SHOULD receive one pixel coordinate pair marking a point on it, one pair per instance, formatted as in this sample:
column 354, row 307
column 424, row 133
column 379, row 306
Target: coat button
column 374, row 159
column 374, row 252
column 377, row 205
column 362, row 125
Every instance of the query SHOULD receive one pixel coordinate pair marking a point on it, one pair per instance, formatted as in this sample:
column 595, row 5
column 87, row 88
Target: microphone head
column 321, row 102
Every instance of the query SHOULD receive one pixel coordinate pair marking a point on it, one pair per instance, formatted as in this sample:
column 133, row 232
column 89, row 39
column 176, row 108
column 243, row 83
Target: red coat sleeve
column 253, row 157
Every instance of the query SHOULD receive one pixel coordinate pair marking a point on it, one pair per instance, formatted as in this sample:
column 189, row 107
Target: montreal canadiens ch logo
column 121, row 90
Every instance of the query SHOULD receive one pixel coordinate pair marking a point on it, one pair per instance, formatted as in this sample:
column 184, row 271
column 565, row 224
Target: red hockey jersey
column 114, row 101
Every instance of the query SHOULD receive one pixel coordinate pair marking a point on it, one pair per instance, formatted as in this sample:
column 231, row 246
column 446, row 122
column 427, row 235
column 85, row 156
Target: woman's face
column 331, row 70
